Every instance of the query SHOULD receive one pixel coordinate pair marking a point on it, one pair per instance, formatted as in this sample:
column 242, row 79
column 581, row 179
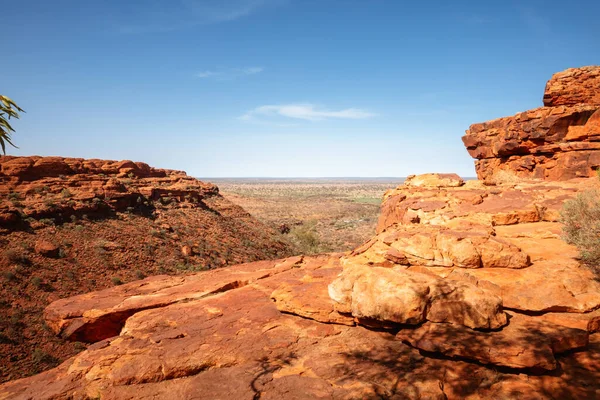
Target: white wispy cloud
column 229, row 73
column 162, row 16
column 304, row 111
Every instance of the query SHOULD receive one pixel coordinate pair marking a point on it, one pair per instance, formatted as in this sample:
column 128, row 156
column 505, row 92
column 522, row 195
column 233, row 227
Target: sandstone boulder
column 406, row 297
column 434, row 180
column 47, row 249
column 429, row 245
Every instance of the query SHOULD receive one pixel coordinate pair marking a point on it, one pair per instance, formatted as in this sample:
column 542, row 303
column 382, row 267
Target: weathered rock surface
column 237, row 344
column 573, row 86
column 519, row 217
column 100, row 315
column 556, row 142
column 521, row 344
column 434, row 180
column 406, row 297
column 438, row 246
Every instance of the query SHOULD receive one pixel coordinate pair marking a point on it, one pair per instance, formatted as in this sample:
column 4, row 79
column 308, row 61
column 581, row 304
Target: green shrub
column 16, row 257
column 116, row 281
column 305, row 239
column 139, row 274
column 9, row 276
column 36, row 281
column 42, row 360
column 581, row 226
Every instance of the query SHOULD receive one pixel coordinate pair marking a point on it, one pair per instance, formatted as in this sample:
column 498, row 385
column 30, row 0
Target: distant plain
column 322, row 214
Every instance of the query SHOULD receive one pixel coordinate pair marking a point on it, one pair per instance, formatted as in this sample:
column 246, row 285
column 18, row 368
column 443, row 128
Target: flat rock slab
column 523, row 343
column 92, row 317
column 307, row 296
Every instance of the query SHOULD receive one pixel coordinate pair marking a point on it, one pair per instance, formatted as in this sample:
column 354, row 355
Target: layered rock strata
column 556, row 142
column 60, row 188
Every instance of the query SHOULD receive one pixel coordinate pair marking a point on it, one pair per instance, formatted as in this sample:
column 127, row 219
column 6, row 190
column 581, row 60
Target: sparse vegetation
column 36, row 281
column 17, row 257
column 347, row 209
column 139, row 274
column 581, row 220
column 306, row 239
column 9, row 276
column 42, row 360
column 66, row 193
column 47, row 221
column 116, row 281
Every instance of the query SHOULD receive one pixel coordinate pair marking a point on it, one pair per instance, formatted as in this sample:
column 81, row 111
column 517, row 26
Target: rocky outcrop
column 557, row 142
column 60, row 188
column 374, row 323
column 573, row 86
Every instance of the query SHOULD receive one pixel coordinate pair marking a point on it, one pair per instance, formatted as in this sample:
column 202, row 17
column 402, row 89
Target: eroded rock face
column 573, row 86
column 100, row 315
column 406, row 297
column 555, row 142
column 63, row 188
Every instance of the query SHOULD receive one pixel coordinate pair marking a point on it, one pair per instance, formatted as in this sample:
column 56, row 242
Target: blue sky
column 281, row 88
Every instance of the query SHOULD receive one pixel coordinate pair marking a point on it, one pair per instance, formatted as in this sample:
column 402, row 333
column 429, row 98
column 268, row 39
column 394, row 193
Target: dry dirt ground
column 324, row 215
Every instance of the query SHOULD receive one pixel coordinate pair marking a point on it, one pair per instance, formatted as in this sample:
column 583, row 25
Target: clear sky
column 281, row 88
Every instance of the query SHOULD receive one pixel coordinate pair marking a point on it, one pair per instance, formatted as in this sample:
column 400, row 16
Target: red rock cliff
column 559, row 141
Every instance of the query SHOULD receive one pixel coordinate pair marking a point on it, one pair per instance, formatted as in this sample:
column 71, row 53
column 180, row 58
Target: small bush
column 305, row 239
column 581, row 220
column 50, row 203
column 116, row 281
column 139, row 274
column 41, row 360
column 16, row 257
column 9, row 276
column 66, row 193
column 36, row 281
